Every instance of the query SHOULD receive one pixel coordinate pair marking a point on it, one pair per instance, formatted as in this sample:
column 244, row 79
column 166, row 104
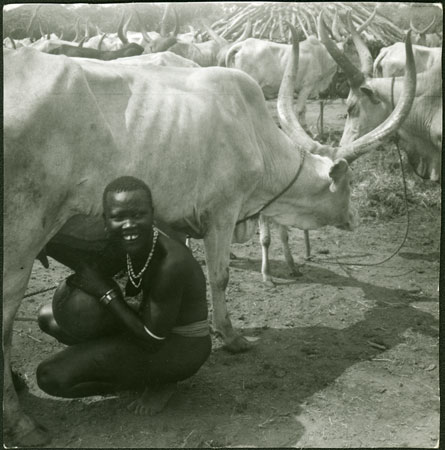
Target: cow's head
column 165, row 40
column 365, row 109
column 420, row 36
column 330, row 193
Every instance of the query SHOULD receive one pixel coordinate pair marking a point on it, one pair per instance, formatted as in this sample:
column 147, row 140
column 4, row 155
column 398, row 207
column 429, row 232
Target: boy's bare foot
column 153, row 400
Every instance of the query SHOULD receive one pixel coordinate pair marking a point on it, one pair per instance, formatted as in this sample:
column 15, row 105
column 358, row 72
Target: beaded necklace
column 131, row 275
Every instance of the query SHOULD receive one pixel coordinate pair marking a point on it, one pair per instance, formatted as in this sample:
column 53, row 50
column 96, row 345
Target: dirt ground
column 344, row 356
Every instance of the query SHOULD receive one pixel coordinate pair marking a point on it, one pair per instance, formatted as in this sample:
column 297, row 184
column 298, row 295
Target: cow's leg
column 284, row 236
column 18, row 429
column 265, row 243
column 307, row 244
column 217, row 247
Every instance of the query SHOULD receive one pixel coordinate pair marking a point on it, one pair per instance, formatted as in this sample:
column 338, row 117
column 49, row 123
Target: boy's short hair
column 125, row 184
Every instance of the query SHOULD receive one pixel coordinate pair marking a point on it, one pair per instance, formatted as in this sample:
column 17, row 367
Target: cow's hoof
column 296, row 273
column 269, row 283
column 19, row 381
column 37, row 436
column 238, row 344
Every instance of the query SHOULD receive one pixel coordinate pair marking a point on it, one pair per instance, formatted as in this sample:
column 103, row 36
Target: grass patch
column 378, row 191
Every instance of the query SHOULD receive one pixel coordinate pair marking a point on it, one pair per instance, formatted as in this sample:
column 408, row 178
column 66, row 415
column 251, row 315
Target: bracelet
column 159, row 338
column 108, row 296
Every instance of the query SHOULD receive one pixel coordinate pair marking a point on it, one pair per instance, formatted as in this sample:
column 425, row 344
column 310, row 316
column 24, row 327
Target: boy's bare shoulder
column 177, row 253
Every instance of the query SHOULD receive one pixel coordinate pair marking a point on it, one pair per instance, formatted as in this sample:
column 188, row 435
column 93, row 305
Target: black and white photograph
column 221, row 224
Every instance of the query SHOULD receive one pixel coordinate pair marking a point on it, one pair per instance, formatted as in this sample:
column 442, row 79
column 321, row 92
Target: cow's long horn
column 302, row 27
column 101, row 40
column 176, row 27
column 12, row 42
column 87, row 29
column 355, row 77
column 163, row 21
column 120, row 32
column 286, row 114
column 366, row 23
column 126, row 25
column 40, row 28
column 215, row 36
column 142, row 29
column 335, row 31
column 247, row 32
column 164, row 18
column 374, row 138
column 425, row 30
column 366, row 60
column 225, row 50
column 31, row 22
column 77, row 30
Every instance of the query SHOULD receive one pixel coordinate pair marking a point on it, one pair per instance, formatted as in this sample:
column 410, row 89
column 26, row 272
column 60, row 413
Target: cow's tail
column 232, row 52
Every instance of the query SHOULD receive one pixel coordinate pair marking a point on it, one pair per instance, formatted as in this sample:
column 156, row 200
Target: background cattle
column 372, row 99
column 391, row 60
column 265, row 62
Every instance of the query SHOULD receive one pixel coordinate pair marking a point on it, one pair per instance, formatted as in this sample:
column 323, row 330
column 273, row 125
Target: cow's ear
column 337, row 172
column 369, row 92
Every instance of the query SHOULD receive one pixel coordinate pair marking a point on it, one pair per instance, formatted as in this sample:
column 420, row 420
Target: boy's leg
column 177, row 360
column 153, row 399
column 47, row 323
column 88, row 368
column 120, row 362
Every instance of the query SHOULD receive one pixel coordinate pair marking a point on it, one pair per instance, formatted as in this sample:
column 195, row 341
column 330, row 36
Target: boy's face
column 128, row 219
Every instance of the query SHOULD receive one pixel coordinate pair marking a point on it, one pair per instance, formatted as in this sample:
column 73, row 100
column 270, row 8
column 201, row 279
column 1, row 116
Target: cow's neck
column 313, row 179
column 417, row 131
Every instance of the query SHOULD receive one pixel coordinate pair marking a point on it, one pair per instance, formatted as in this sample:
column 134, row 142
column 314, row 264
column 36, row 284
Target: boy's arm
column 161, row 305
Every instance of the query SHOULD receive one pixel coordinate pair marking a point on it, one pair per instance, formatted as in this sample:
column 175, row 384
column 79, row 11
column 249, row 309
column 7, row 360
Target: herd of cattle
column 161, row 108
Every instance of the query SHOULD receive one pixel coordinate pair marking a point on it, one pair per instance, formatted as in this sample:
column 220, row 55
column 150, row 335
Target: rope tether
column 255, row 215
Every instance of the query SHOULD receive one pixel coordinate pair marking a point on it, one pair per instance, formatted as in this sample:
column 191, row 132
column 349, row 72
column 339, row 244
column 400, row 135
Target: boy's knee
column 50, row 380
column 45, row 318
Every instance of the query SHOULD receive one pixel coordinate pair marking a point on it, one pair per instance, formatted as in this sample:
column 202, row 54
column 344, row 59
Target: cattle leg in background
column 284, row 236
column 307, row 244
column 264, row 224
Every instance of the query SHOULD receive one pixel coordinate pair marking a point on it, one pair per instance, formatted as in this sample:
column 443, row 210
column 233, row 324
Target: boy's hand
column 91, row 281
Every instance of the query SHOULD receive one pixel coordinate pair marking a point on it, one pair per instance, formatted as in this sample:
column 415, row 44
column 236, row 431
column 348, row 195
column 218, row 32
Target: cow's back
column 166, row 58
column 101, row 120
column 202, row 53
column 391, row 60
column 265, row 62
